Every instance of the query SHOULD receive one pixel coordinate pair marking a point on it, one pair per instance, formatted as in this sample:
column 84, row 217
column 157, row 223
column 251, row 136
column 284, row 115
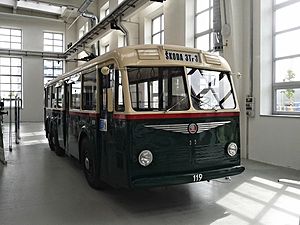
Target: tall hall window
column 53, row 42
column 52, row 68
column 10, row 78
column 286, row 57
column 204, row 25
column 157, row 33
column 10, row 38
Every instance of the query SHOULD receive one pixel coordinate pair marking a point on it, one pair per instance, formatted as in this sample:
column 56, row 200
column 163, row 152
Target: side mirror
column 110, row 100
column 105, row 70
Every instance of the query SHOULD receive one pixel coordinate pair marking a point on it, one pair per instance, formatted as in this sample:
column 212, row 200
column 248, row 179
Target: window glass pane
column 5, row 87
column 52, row 68
column 202, row 42
column 5, row 31
column 288, row 100
column 48, row 36
column 16, row 39
column 48, row 42
column 5, row 70
column 5, row 94
column 57, row 43
column 16, row 79
column 48, row 63
column 16, row 62
column 154, row 100
column 89, row 92
column 156, row 25
column 16, row 32
column 15, row 46
column 58, row 36
column 48, row 48
column 156, row 39
column 133, row 95
column 210, row 89
column 16, row 87
column 4, row 61
column 60, row 96
column 75, row 94
column 4, row 38
column 57, row 49
column 149, row 89
column 202, row 5
column 57, row 64
column 202, row 22
column 47, row 80
column 287, row 70
column 57, row 72
column 48, row 72
column 53, row 42
column 4, row 79
column 287, row 43
column 16, row 70
column 287, row 17
column 4, row 45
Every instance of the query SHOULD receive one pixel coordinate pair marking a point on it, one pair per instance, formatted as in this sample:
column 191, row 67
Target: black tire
column 89, row 165
column 51, row 139
column 58, row 150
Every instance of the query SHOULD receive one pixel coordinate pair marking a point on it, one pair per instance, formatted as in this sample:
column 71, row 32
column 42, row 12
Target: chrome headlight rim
column 232, row 149
column 145, row 158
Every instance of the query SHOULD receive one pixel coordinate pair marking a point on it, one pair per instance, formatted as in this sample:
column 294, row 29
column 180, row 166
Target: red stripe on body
column 82, row 113
column 174, row 116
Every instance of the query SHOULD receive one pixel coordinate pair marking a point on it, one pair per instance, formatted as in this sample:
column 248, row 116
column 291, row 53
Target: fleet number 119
column 197, row 177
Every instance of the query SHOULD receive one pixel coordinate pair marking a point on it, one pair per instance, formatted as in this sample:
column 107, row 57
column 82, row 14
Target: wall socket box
column 250, row 106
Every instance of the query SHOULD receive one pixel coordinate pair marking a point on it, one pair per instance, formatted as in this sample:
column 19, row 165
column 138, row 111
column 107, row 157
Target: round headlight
column 232, row 149
column 145, row 158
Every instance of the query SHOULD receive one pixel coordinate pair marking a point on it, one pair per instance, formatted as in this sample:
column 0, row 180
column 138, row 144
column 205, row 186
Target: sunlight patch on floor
column 277, row 217
column 262, row 201
column 231, row 219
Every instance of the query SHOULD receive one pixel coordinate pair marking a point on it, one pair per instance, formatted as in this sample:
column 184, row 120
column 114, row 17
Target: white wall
column 33, row 66
column 271, row 139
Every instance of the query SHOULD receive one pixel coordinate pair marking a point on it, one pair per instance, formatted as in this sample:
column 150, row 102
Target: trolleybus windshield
column 158, row 88
column 164, row 89
column 210, row 89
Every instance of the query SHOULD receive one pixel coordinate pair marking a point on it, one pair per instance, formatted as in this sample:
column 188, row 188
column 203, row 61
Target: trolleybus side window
column 89, row 90
column 60, row 96
column 158, row 88
column 53, row 97
column 210, row 89
column 75, row 94
column 119, row 97
column 48, row 100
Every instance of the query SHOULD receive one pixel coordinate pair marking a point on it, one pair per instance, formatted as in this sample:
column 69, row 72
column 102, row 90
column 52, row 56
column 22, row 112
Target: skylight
column 34, row 5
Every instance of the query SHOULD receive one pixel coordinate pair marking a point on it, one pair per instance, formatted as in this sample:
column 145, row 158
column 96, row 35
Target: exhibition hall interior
column 129, row 112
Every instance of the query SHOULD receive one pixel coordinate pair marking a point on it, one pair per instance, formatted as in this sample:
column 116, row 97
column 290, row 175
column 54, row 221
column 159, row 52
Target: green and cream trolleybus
column 149, row 115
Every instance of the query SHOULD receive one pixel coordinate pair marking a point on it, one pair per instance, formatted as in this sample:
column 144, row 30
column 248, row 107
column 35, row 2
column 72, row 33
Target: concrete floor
column 37, row 187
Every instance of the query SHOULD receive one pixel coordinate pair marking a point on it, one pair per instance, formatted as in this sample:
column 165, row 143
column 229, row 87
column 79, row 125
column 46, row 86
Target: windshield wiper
column 177, row 103
column 202, row 102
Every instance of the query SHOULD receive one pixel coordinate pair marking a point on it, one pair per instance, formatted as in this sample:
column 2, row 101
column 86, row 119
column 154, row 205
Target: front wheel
column 50, row 137
column 89, row 165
